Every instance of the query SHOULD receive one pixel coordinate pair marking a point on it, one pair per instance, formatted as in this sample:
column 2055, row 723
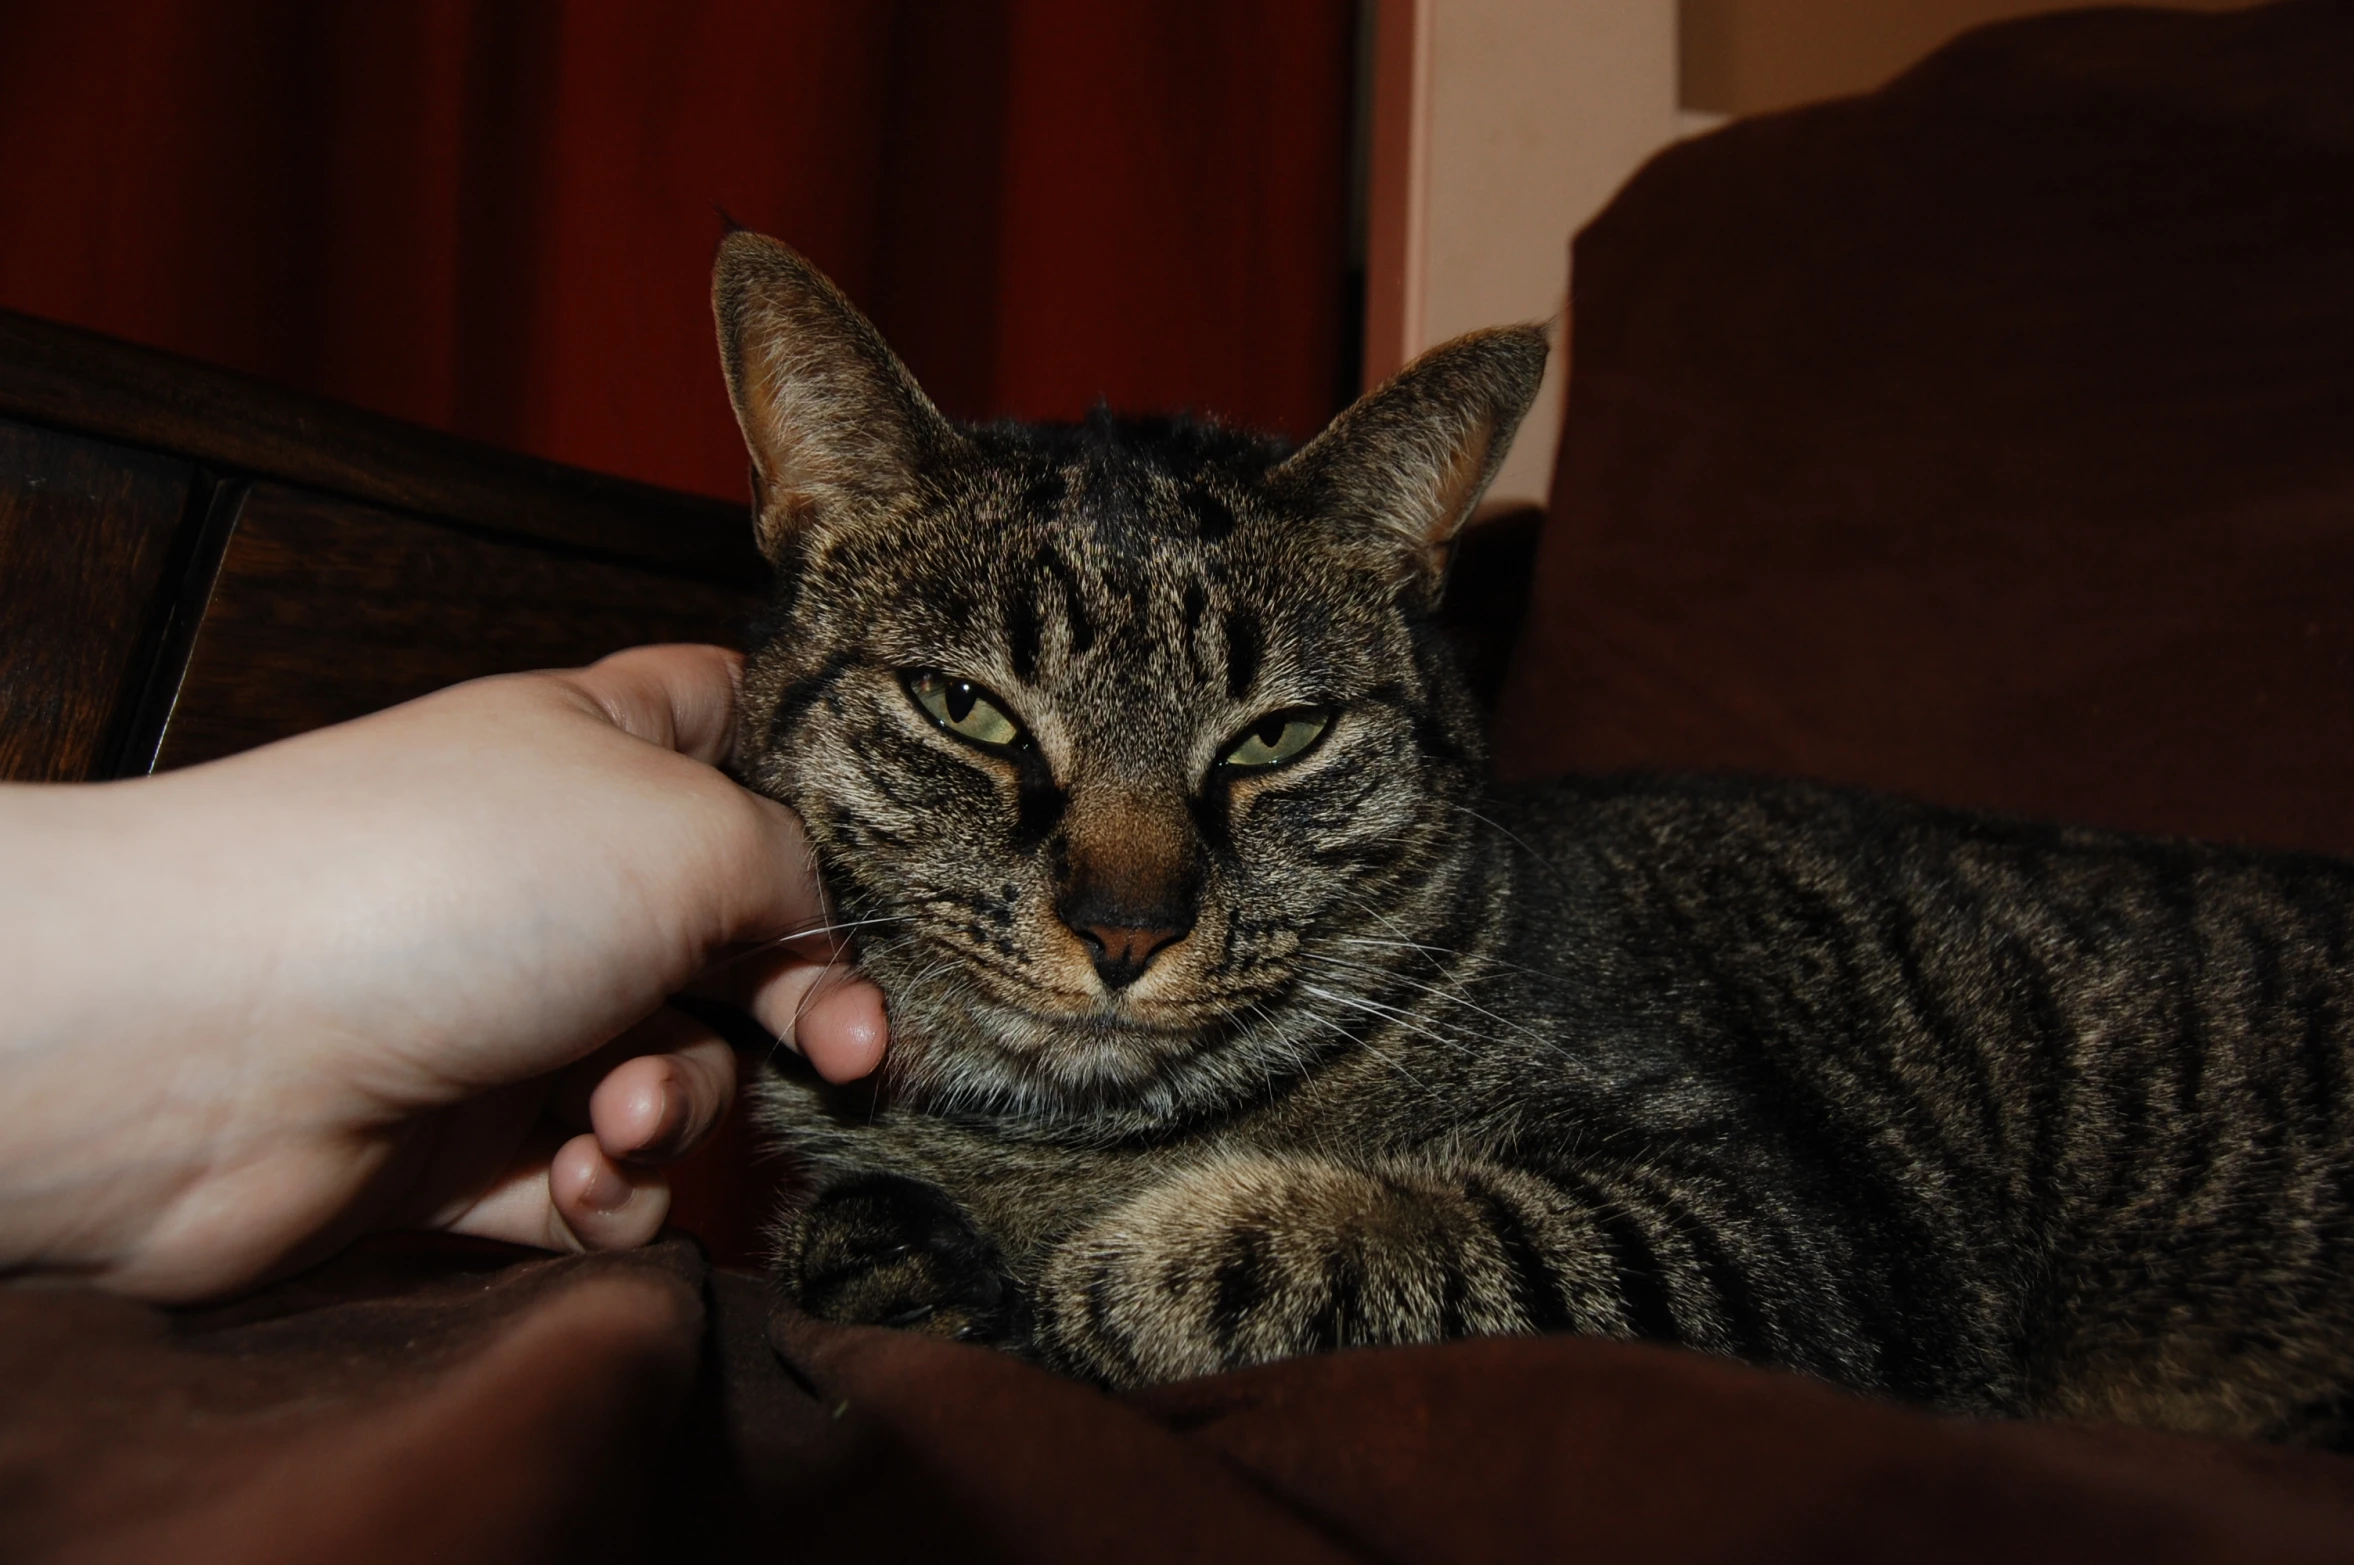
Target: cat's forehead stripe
column 1171, row 610
column 1022, row 630
column 1242, row 652
column 1075, row 617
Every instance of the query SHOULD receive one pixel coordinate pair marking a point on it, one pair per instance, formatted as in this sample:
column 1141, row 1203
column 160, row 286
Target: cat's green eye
column 1276, row 738
column 964, row 709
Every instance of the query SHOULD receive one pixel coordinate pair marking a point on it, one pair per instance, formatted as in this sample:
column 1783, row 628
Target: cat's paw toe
column 882, row 1250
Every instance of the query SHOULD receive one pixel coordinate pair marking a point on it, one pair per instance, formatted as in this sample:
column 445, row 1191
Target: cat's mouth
column 1032, row 1038
column 1095, row 1012
column 1063, row 988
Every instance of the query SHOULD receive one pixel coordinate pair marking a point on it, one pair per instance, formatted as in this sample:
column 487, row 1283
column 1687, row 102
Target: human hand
column 408, row 971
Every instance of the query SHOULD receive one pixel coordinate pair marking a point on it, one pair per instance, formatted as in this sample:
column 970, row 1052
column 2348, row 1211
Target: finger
column 823, row 1010
column 737, row 975
column 602, row 1204
column 772, row 897
column 660, row 1107
column 836, row 1020
column 666, row 1030
column 565, row 1196
column 763, row 885
column 743, row 978
column 682, row 698
column 515, row 1209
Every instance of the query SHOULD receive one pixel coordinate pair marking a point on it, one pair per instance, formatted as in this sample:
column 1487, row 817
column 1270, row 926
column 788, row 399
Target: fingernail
column 670, row 1129
column 606, row 1190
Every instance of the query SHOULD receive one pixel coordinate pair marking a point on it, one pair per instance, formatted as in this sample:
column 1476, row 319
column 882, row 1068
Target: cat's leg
column 1251, row 1259
column 882, row 1250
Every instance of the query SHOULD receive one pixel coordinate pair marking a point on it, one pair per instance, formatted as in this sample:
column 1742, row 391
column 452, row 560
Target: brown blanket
column 446, row 1401
column 1990, row 437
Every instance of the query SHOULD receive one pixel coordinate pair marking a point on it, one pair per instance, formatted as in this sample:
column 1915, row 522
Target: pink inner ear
column 1458, row 487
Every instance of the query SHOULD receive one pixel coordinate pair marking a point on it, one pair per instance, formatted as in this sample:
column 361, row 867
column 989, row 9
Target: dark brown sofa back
column 1989, row 439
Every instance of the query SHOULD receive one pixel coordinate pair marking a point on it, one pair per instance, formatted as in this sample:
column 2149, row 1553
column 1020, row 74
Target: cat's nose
column 1122, row 951
column 1131, row 877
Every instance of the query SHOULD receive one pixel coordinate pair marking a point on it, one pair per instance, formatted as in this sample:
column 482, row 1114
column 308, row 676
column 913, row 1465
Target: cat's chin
column 1051, row 1057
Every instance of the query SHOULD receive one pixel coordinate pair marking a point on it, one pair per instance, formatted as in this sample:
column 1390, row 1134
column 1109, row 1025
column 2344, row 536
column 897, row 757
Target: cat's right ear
column 837, row 428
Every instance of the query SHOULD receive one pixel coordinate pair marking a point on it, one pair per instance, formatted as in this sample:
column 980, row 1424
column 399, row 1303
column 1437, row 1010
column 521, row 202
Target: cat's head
column 1128, row 744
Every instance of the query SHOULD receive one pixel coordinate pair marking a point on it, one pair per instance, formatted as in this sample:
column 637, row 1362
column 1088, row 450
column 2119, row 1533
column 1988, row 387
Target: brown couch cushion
column 1989, row 438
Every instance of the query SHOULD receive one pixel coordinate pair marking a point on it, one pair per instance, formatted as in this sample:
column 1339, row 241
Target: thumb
column 682, row 698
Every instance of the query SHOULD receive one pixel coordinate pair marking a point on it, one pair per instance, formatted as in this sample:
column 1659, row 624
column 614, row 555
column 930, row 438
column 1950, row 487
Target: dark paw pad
column 881, row 1250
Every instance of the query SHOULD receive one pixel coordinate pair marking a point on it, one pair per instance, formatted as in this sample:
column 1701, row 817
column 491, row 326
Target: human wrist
column 120, row 1090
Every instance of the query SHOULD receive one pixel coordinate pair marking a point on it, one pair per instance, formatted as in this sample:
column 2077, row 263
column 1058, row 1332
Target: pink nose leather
column 1125, row 952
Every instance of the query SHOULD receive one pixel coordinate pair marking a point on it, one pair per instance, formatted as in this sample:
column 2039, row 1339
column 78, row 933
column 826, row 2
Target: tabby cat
column 1235, row 1017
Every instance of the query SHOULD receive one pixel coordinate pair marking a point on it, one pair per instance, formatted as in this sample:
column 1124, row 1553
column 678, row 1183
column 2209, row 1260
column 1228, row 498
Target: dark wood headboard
column 193, row 563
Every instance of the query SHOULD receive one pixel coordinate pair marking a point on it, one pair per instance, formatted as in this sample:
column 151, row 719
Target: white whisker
column 1435, row 992
column 1381, row 1054
column 1390, row 1014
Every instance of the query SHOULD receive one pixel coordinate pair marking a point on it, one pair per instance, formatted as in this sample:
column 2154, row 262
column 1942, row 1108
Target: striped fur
column 1997, row 1117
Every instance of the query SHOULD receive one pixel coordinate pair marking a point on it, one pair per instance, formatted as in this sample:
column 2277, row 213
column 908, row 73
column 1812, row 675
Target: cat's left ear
column 1402, row 468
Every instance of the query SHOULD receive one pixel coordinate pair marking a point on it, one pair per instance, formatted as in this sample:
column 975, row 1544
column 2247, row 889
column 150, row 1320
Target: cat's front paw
column 882, row 1250
column 1254, row 1259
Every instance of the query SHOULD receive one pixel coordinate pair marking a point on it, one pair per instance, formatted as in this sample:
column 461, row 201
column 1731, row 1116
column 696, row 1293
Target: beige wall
column 1500, row 126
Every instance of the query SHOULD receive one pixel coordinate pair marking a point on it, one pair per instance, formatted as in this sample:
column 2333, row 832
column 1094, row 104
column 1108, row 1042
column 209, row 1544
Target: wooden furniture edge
column 81, row 381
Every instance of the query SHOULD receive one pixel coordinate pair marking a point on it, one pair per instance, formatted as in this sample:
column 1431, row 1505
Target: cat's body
column 1233, row 1018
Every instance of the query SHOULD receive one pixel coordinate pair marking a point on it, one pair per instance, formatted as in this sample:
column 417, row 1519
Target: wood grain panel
column 86, row 534
column 324, row 610
column 77, row 379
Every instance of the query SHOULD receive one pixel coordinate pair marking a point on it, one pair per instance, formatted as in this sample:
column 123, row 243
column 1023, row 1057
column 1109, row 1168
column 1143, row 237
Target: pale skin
column 408, row 972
